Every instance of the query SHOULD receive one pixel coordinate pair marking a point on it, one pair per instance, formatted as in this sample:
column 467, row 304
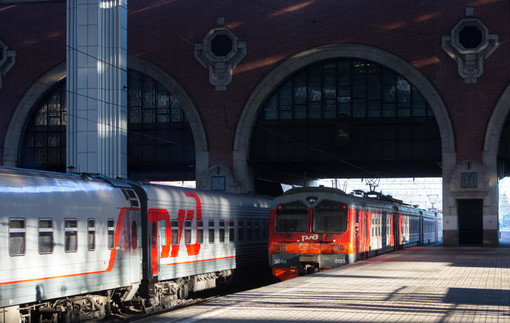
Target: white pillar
column 97, row 86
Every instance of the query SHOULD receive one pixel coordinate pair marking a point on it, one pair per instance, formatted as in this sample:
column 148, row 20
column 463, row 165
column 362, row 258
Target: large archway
column 169, row 107
column 496, row 160
column 267, row 87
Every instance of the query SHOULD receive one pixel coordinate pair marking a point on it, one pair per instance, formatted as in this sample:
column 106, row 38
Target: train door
column 356, row 233
column 136, row 254
column 383, row 229
column 154, row 247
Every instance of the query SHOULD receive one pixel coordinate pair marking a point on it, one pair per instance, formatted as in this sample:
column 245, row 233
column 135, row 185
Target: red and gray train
column 76, row 247
column 313, row 229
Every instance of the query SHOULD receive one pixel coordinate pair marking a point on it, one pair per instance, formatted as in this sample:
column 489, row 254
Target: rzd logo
column 313, row 237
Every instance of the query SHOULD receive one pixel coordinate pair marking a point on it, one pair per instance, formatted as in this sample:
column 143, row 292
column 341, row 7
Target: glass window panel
column 329, row 82
column 403, row 92
column 17, row 237
column 187, row 232
column 419, row 104
column 300, row 88
column 359, row 86
column 45, row 236
column 300, row 112
column 285, row 101
column 389, row 110
column 271, row 110
column 374, row 86
column 211, row 231
column 374, row 109
column 314, row 84
column 71, row 235
column 221, row 232
column 111, row 233
column 330, row 109
column 314, row 110
column 200, row 231
column 175, row 232
column 359, row 108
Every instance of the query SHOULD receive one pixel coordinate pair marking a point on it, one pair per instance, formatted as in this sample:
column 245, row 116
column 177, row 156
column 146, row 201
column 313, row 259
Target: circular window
column 221, row 45
column 470, row 37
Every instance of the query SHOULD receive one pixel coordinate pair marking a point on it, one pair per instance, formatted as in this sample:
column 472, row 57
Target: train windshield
column 330, row 216
column 291, row 217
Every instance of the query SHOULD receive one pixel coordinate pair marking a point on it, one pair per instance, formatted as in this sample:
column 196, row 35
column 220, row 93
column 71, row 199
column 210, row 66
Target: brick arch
column 273, row 79
column 43, row 84
column 23, row 110
column 497, row 123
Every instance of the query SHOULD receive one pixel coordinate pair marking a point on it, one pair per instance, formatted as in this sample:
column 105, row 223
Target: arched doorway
column 165, row 140
column 346, row 117
column 406, row 78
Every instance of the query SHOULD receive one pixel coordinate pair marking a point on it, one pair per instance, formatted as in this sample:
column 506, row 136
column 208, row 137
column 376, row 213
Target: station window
column 71, row 235
column 222, row 231
column 111, row 233
column 91, row 234
column 17, row 235
column 200, row 231
column 45, row 236
column 211, row 231
column 175, row 233
column 187, row 232
column 231, row 235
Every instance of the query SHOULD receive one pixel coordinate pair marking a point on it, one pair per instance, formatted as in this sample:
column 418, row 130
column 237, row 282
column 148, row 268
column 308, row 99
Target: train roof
column 374, row 199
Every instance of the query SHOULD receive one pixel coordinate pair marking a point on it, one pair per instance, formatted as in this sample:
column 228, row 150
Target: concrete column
column 97, row 86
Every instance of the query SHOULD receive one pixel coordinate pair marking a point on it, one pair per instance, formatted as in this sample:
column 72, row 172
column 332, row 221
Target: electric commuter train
column 316, row 228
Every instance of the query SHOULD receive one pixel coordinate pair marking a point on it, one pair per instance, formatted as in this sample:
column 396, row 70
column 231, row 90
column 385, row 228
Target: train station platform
column 420, row 284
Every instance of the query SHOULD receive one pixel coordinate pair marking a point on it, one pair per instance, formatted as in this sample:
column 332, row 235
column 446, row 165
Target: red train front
column 310, row 229
column 317, row 228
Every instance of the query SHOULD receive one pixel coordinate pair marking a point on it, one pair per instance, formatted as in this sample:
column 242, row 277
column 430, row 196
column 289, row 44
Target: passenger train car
column 77, row 247
column 312, row 229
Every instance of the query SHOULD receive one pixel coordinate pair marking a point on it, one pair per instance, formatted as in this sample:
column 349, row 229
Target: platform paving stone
column 420, row 284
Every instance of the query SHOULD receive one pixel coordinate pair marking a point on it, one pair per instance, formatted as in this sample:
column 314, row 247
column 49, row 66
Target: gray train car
column 78, row 247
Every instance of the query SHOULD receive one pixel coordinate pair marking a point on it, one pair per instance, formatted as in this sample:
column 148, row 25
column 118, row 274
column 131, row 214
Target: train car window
column 131, row 197
column 211, row 231
column 134, row 235
column 231, row 235
column 291, row 217
column 162, row 232
column 330, row 216
column 249, row 231
column 257, row 230
column 222, row 231
column 91, row 234
column 111, row 233
column 71, row 235
column 17, row 235
column 187, row 232
column 200, row 231
column 45, row 236
column 175, row 233
column 240, row 230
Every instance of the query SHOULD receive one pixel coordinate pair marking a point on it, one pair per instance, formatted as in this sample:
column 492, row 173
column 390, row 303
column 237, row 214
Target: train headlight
column 280, row 248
